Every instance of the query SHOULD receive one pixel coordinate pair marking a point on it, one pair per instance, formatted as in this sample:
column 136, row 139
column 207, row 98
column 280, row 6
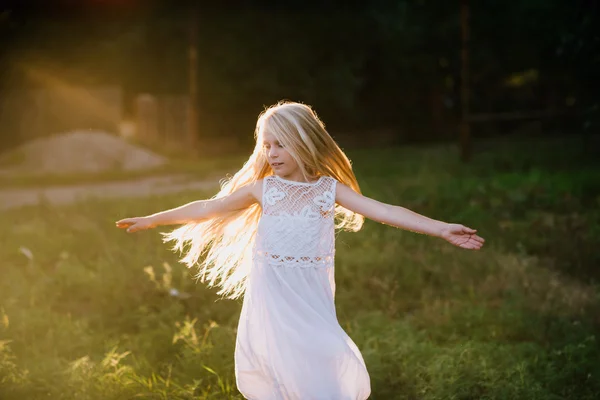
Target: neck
column 297, row 177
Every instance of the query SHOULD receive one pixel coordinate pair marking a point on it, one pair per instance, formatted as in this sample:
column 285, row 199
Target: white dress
column 290, row 345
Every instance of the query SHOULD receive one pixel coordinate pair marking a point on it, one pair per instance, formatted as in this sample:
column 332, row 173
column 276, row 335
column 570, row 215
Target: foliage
column 383, row 64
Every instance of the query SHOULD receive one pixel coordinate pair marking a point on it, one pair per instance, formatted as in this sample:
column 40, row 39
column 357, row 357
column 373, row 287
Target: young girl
column 269, row 235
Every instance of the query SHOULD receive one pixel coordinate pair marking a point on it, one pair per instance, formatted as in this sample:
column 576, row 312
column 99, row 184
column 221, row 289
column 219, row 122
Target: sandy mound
column 80, row 151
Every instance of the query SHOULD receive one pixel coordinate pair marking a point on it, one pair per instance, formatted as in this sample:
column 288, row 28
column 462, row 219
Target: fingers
column 473, row 244
column 470, row 246
column 478, row 239
column 470, row 242
column 468, row 230
column 125, row 223
column 134, row 228
column 474, row 237
column 465, row 237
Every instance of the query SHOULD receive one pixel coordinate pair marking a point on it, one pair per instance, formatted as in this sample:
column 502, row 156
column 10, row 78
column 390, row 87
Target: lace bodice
column 296, row 228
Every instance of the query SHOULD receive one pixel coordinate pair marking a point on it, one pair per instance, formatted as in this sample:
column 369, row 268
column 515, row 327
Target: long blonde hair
column 224, row 244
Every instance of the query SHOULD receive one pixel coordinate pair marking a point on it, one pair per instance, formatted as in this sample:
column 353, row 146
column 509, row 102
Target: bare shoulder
column 351, row 200
column 242, row 197
column 342, row 191
column 256, row 189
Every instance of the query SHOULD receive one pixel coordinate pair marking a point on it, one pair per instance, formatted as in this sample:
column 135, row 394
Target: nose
column 273, row 152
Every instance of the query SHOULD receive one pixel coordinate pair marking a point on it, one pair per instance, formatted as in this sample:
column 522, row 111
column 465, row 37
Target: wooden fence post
column 146, row 117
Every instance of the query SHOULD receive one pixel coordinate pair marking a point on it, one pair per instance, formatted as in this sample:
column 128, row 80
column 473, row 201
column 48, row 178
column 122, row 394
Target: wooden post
column 193, row 79
column 146, row 118
column 465, row 129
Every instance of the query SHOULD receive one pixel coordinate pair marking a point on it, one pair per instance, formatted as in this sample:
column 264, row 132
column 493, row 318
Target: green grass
column 85, row 310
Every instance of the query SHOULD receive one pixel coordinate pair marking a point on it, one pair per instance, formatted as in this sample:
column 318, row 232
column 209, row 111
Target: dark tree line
column 383, row 64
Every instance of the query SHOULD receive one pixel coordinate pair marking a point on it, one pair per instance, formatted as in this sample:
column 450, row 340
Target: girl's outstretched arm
column 196, row 210
column 404, row 218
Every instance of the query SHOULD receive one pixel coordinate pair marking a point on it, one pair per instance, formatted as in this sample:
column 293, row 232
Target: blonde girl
column 268, row 235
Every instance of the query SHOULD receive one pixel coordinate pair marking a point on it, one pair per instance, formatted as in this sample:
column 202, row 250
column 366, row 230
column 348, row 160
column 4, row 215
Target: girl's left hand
column 462, row 236
column 136, row 224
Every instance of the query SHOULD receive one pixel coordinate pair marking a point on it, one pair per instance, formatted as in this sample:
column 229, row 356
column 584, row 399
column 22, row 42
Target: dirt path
column 62, row 195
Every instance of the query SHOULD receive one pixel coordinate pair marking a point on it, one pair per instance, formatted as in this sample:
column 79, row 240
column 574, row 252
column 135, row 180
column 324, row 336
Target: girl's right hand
column 136, row 224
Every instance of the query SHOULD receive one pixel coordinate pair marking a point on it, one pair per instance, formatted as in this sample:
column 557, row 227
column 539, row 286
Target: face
column 279, row 158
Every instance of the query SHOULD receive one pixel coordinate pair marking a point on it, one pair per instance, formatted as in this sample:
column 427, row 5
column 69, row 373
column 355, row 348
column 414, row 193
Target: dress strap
column 266, row 181
column 332, row 182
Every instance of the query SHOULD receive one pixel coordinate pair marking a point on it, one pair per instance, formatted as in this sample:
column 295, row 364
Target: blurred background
column 484, row 113
column 188, row 73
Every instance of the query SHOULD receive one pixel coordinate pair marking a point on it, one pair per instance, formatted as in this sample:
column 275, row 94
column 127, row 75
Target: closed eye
column 268, row 146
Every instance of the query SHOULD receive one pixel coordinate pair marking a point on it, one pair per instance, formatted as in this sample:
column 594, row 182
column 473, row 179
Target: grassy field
column 89, row 312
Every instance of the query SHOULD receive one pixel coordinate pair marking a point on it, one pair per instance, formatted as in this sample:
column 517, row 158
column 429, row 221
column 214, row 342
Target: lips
column 277, row 164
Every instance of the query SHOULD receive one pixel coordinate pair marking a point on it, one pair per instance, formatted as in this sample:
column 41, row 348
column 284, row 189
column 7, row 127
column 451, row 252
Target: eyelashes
column 266, row 147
